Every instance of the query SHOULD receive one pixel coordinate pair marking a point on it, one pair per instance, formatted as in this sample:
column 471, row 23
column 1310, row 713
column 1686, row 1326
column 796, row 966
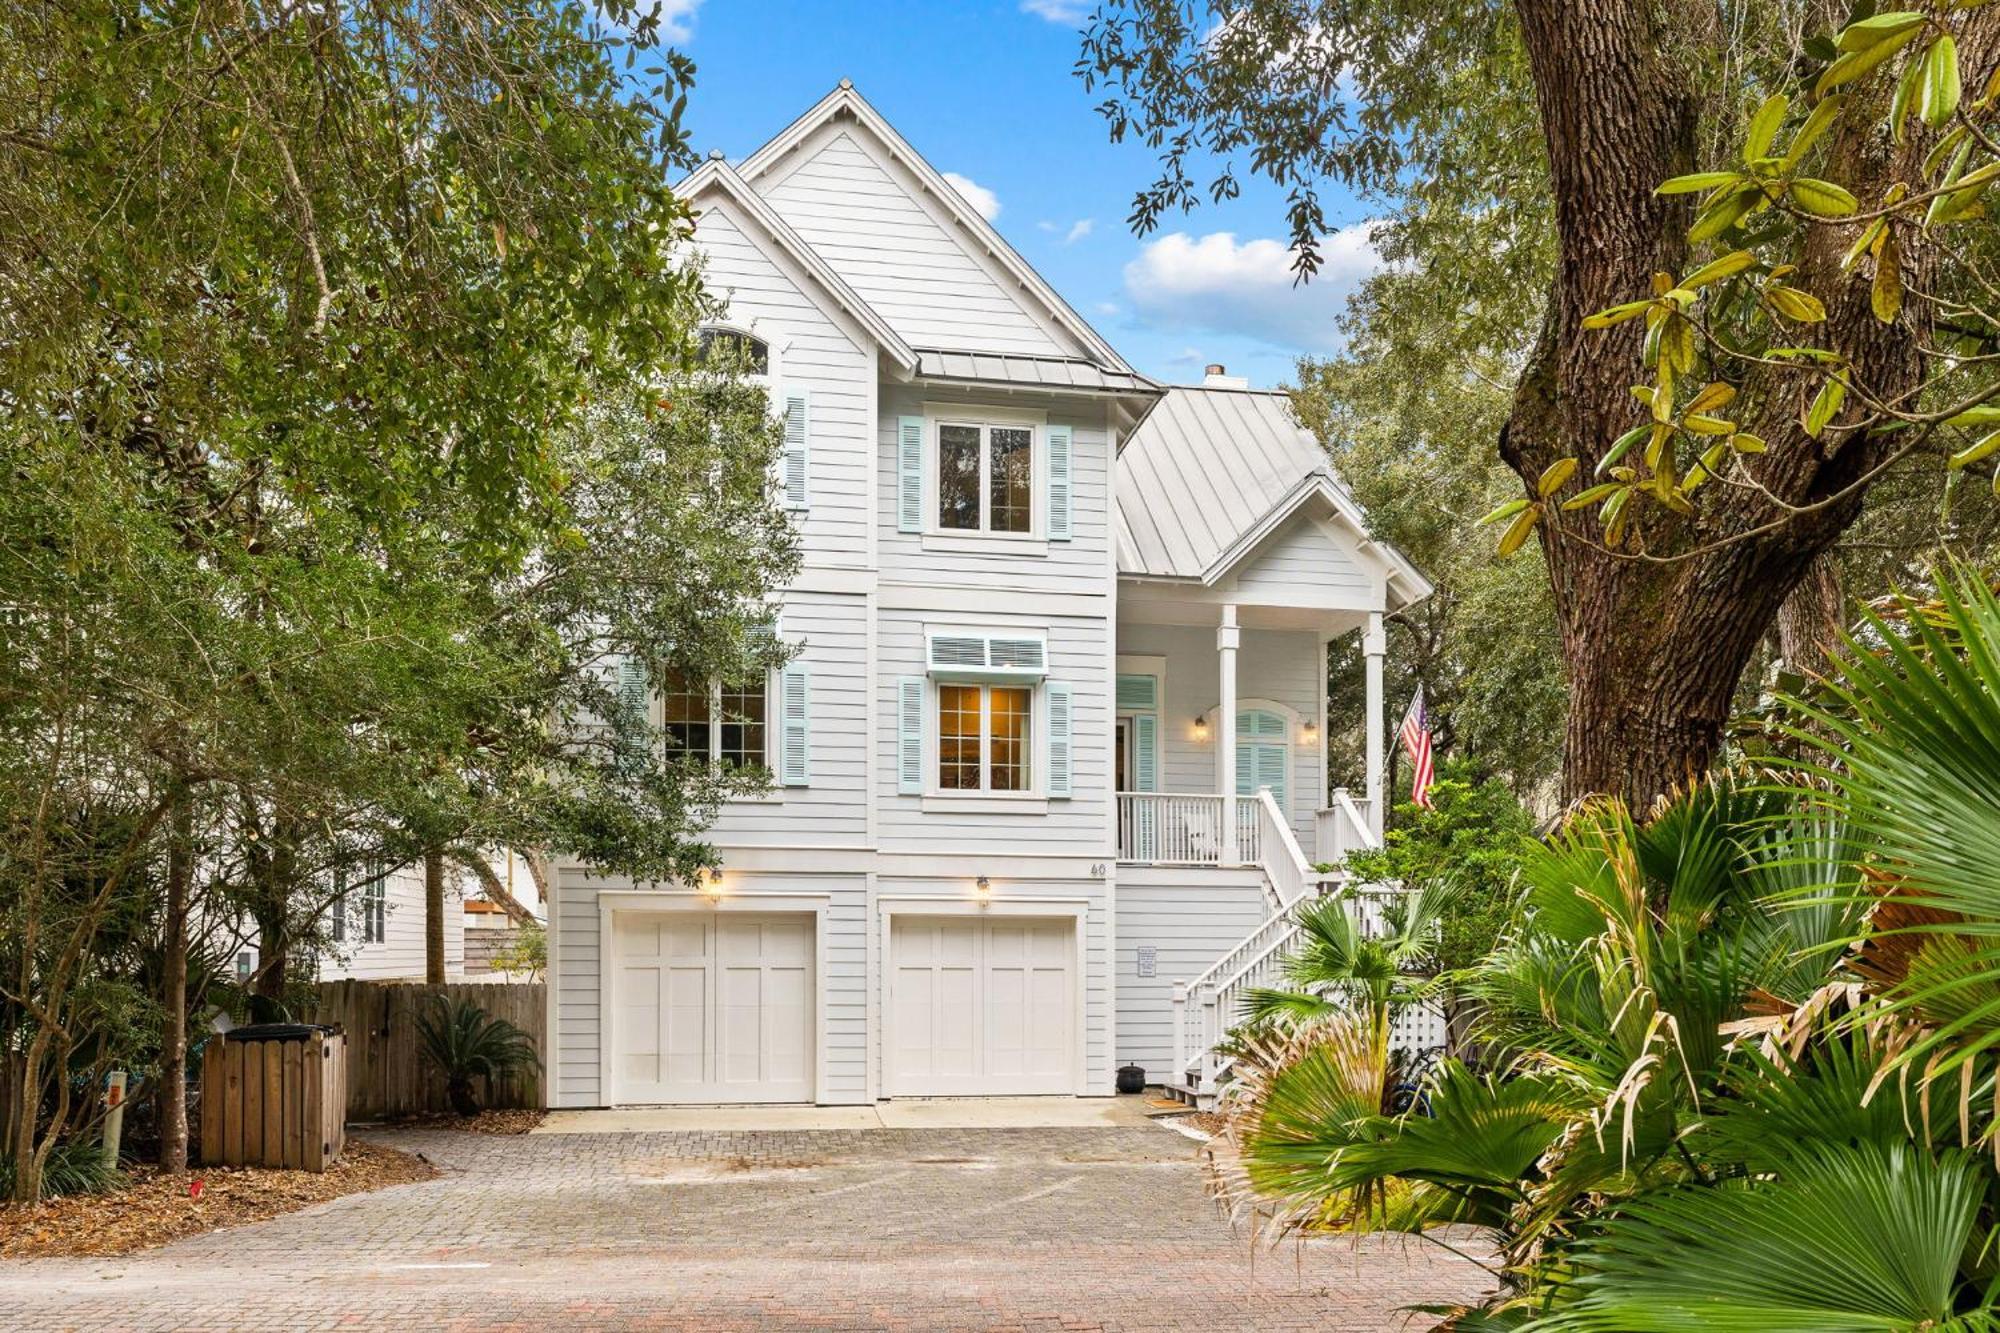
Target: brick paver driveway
column 1026, row 1229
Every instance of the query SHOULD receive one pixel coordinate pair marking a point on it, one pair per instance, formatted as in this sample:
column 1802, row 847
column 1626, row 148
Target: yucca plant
column 465, row 1043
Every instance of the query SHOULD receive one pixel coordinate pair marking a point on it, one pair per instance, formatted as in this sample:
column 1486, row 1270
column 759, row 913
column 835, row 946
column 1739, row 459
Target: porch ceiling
column 1145, row 602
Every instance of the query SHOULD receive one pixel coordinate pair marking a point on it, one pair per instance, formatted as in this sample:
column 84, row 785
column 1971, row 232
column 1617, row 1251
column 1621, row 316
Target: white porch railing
column 1205, row 1008
column 1345, row 826
column 1185, row 828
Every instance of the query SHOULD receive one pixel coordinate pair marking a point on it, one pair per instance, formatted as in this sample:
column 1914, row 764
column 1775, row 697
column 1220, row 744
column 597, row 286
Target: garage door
column 713, row 1007
column 981, row 1008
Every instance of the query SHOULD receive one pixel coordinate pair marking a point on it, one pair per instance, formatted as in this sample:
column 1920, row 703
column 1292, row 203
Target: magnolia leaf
column 1954, row 141
column 1869, row 31
column 1857, row 63
column 1937, row 97
column 1986, row 448
column 1731, row 264
column 1825, row 404
column 1678, row 345
column 1743, row 442
column 1864, row 243
column 1885, row 294
column 1508, row 510
column 1616, row 314
column 1696, row 182
column 1764, row 126
column 1622, row 446
column 1697, row 423
column 1816, row 125
column 1517, row 532
column 1819, row 354
column 1591, row 496
column 1822, row 198
column 1662, row 283
column 1719, row 394
column 1553, row 477
column 1723, row 212
column 1801, row 307
column 1613, row 515
column 1906, row 96
column 1656, row 448
column 1986, row 414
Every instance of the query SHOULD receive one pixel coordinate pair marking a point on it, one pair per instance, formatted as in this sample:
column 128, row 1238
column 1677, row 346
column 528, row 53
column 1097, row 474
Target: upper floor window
column 370, row 915
column 721, row 721
column 732, row 347
column 985, row 477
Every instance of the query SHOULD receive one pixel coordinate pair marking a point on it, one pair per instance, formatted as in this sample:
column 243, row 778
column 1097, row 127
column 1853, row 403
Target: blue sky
column 984, row 90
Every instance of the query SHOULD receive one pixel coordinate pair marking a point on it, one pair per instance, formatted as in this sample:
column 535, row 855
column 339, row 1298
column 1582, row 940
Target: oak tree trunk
column 434, row 916
column 172, row 1099
column 1656, row 634
column 1812, row 619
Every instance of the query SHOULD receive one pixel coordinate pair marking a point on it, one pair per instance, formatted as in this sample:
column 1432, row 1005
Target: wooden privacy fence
column 273, row 1101
column 387, row 1074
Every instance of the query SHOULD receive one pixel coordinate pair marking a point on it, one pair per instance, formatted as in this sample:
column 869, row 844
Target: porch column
column 1226, row 638
column 1374, row 643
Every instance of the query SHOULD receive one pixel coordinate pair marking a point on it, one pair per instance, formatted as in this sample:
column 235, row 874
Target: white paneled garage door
column 981, row 1007
column 713, row 1007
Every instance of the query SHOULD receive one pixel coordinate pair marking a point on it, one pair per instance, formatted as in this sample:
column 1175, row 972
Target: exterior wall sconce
column 982, row 891
column 1201, row 730
column 1309, row 734
column 711, row 884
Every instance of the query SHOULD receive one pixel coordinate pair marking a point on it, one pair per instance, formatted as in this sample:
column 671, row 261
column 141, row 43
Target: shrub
column 465, row 1042
column 76, row 1166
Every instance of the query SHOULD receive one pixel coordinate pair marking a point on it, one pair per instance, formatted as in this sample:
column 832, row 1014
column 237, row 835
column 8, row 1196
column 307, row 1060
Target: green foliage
column 463, row 1042
column 527, row 952
column 76, row 1166
column 1473, row 837
column 1745, row 1045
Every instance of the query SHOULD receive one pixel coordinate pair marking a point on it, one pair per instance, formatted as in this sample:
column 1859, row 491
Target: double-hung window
column 986, row 737
column 370, row 914
column 985, row 477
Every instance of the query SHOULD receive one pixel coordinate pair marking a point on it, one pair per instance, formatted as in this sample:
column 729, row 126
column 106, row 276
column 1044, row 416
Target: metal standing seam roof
column 1047, row 372
column 1204, row 468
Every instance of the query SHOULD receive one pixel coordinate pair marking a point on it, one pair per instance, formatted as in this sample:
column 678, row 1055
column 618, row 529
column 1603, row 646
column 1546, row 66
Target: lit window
column 985, row 737
column 721, row 721
column 985, row 478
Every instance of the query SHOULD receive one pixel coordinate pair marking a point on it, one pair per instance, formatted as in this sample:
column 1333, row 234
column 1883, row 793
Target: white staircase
column 1206, row 1007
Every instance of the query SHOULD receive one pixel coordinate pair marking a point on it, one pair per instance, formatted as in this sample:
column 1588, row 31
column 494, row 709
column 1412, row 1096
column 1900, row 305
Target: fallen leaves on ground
column 486, row 1122
column 152, row 1209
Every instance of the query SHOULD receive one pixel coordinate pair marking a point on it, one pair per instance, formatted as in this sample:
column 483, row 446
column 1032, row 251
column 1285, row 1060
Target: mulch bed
column 152, row 1209
column 486, row 1122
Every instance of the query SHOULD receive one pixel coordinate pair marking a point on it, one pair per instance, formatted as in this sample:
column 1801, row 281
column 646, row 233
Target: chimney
column 1217, row 376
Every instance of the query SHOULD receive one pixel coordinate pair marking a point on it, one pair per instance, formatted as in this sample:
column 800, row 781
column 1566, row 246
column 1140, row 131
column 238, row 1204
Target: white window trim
column 936, row 535
column 956, row 797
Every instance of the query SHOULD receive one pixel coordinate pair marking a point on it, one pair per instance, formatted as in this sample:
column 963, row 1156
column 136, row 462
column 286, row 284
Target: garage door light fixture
column 711, row 884
column 982, row 891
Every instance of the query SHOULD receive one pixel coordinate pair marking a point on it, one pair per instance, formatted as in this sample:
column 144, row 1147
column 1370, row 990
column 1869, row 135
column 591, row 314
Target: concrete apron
column 902, row 1113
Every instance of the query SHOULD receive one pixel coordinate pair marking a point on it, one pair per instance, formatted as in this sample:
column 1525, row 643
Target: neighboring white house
column 1054, row 735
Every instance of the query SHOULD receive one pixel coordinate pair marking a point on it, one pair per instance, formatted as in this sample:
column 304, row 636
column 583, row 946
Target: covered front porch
column 1222, row 735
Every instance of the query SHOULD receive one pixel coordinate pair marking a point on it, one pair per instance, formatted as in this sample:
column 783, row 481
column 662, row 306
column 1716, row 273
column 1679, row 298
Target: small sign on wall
column 1149, row 960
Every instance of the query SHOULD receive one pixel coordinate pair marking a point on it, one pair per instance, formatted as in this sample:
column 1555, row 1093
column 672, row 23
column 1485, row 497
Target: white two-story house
column 1050, row 757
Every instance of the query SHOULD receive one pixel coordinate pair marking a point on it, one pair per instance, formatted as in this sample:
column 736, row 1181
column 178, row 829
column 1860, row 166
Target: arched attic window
column 735, row 347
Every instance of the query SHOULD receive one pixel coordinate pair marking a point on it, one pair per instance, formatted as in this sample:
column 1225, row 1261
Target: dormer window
column 736, row 348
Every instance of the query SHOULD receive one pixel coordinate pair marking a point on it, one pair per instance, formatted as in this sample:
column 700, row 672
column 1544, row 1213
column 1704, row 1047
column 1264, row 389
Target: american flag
column 1416, row 733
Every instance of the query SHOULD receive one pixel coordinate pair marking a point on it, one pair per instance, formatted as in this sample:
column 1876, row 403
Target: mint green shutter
column 910, row 474
column 910, row 735
column 632, row 688
column 1060, row 487
column 1146, row 752
column 1062, row 726
column 794, row 725
column 796, row 471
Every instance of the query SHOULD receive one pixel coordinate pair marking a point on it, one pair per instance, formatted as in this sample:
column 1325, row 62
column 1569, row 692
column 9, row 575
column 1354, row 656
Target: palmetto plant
column 465, row 1043
column 1747, row 1041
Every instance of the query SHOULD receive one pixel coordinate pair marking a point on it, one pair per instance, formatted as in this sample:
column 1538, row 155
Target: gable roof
column 844, row 101
column 1210, row 473
column 717, row 175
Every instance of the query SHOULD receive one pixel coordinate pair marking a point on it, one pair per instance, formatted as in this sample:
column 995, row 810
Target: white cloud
column 1066, row 12
column 677, row 19
column 1217, row 284
column 984, row 202
column 1071, row 232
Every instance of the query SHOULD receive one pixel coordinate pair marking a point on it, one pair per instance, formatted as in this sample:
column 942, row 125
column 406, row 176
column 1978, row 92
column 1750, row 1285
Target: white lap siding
column 1188, row 918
